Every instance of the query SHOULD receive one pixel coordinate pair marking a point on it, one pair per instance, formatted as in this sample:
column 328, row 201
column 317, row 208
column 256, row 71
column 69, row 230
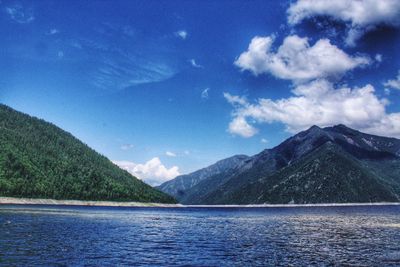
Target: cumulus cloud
column 318, row 103
column 314, row 69
column 170, row 154
column 20, row 14
column 360, row 15
column 204, row 93
column 240, row 126
column 297, row 60
column 181, row 34
column 152, row 172
column 394, row 83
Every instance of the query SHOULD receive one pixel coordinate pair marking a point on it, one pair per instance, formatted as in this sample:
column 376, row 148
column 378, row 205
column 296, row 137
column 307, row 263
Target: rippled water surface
column 45, row 235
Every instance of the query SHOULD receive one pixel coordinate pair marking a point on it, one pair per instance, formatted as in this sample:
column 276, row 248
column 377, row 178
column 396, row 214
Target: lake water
column 46, row 235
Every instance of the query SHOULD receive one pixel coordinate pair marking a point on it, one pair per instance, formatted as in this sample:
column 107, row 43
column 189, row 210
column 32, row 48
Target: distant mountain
column 333, row 164
column 39, row 160
column 179, row 186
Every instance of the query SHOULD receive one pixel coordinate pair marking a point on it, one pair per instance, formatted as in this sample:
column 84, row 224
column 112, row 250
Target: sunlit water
column 45, row 235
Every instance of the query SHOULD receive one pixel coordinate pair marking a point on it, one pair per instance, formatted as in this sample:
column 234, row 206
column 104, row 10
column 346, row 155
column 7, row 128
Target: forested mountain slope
column 40, row 160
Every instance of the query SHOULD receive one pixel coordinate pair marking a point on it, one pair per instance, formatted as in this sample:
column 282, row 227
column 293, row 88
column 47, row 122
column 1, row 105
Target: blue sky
column 166, row 87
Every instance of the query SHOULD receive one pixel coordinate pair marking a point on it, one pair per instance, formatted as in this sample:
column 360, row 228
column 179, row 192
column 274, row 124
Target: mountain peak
column 340, row 128
column 314, row 127
column 330, row 164
column 312, row 132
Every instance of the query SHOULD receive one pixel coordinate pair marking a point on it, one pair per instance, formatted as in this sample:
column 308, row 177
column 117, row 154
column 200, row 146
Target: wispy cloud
column 378, row 58
column 181, row 34
column 204, row 93
column 170, row 154
column 128, row 31
column 118, row 72
column 126, row 147
column 393, row 83
column 194, row 64
column 20, row 14
column 60, row 54
column 53, row 31
column 235, row 100
column 118, row 62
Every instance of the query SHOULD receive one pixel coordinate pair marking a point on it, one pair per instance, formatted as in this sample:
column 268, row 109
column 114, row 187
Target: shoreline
column 54, row 202
column 89, row 203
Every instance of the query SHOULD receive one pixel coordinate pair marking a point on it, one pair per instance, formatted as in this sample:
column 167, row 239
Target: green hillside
column 39, row 160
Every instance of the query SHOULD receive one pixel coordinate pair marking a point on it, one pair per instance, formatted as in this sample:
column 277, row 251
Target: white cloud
column 194, row 64
column 319, row 103
column 241, row 127
column 126, row 146
column 121, row 71
column 170, row 154
column 20, row 14
column 296, row 60
column 378, row 58
column 182, row 34
column 204, row 93
column 361, row 15
column 186, row 152
column 395, row 83
column 152, row 172
column 314, row 70
column 53, row 31
column 263, row 140
column 235, row 100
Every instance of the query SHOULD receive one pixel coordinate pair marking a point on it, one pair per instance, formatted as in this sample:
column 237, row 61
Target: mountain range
column 40, row 160
column 320, row 165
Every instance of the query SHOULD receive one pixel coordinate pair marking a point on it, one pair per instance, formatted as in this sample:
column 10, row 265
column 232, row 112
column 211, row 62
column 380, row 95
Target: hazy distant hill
column 39, row 160
column 333, row 164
